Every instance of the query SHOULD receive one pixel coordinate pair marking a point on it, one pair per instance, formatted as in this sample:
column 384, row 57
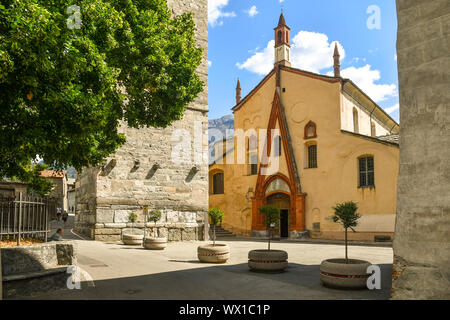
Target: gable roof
column 330, row 79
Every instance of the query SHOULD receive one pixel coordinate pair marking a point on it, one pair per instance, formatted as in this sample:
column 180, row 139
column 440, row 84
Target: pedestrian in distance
column 65, row 216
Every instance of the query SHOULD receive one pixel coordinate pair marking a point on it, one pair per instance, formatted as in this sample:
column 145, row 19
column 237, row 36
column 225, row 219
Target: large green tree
column 65, row 88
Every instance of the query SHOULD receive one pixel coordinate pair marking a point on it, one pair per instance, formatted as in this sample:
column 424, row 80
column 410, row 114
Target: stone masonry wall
column 142, row 173
column 422, row 235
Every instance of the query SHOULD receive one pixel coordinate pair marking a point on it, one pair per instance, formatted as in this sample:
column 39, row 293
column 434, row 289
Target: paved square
column 126, row 272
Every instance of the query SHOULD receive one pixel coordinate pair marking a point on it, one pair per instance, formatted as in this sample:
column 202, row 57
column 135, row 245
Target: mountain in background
column 222, row 124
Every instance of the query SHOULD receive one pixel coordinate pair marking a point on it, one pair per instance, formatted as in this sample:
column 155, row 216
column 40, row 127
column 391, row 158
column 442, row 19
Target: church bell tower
column 282, row 43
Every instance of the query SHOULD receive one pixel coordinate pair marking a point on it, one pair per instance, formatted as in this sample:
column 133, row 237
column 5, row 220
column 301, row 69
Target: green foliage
column 154, row 216
column 271, row 215
column 345, row 214
column 216, row 216
column 63, row 92
column 132, row 217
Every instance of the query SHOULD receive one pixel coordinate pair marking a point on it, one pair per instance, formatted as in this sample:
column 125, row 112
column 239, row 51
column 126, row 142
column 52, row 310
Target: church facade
column 305, row 142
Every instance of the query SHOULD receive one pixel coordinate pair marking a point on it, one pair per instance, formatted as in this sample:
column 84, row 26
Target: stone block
column 104, row 216
column 188, row 234
column 106, row 238
column 121, row 216
column 174, row 234
column 163, row 232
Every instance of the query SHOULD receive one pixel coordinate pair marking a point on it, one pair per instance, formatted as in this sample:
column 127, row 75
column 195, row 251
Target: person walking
column 58, row 214
column 65, row 216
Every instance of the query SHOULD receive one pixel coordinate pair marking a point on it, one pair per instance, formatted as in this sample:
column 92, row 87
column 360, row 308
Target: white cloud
column 395, row 57
column 365, row 78
column 261, row 62
column 313, row 52
column 215, row 12
column 309, row 51
column 392, row 109
column 209, row 63
column 253, row 11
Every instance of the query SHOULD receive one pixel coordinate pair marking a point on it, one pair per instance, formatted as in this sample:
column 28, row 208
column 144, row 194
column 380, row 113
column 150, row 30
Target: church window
column 280, row 36
column 312, row 156
column 218, row 183
column 366, row 171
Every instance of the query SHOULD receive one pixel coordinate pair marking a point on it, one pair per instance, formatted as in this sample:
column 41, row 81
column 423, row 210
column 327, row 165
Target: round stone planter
column 267, row 260
column 155, row 243
column 132, row 239
column 219, row 253
column 335, row 273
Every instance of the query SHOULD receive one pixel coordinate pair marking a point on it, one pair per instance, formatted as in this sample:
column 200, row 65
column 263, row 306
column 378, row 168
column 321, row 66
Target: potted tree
column 268, row 260
column 214, row 253
column 132, row 238
column 155, row 243
column 345, row 272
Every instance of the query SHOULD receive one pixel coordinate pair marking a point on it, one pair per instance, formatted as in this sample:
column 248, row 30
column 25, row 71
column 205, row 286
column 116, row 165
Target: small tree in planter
column 132, row 218
column 155, row 243
column 268, row 260
column 271, row 218
column 345, row 273
column 132, row 239
column 345, row 214
column 216, row 215
column 219, row 253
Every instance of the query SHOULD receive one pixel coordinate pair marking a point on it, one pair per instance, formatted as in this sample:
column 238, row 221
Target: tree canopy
column 64, row 91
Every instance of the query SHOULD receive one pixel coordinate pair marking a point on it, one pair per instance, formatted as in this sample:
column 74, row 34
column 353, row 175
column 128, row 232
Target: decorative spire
column 282, row 42
column 337, row 63
column 281, row 21
column 238, row 92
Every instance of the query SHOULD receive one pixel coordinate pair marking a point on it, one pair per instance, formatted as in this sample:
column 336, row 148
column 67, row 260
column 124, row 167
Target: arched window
column 355, row 121
column 310, row 130
column 373, row 130
column 280, row 36
column 218, row 183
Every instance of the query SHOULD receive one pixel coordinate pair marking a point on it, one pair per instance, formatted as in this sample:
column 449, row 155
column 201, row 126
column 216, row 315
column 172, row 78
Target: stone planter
column 155, row 243
column 268, row 260
column 219, row 253
column 132, row 239
column 335, row 273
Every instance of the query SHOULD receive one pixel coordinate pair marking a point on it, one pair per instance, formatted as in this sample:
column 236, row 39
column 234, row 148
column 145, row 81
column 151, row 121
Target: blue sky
column 240, row 32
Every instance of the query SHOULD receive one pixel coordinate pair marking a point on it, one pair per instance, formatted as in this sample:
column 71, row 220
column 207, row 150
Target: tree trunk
column 346, row 250
column 270, row 236
column 214, row 237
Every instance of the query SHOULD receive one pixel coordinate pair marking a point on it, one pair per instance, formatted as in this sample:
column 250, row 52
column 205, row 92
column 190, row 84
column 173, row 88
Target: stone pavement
column 126, row 272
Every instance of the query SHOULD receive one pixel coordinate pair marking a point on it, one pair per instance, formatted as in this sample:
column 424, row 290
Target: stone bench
column 29, row 270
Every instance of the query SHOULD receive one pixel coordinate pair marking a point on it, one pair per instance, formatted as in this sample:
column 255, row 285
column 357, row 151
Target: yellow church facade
column 305, row 142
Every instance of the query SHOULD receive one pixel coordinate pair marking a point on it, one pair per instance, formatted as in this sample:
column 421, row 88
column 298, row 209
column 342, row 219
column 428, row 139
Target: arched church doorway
column 282, row 201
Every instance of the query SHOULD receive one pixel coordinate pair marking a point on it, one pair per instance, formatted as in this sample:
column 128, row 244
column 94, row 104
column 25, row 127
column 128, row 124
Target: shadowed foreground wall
column 422, row 234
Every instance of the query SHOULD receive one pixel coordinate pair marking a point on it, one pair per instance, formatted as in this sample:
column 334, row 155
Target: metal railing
column 25, row 216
